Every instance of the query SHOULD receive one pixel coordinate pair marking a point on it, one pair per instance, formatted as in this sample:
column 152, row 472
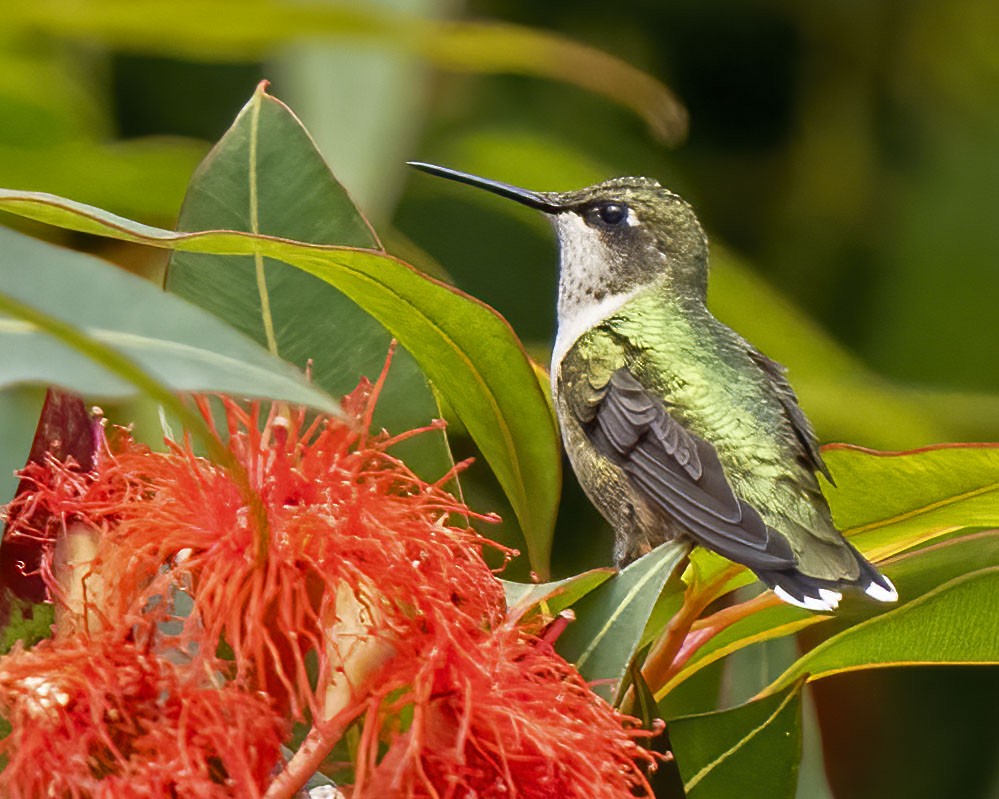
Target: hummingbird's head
column 615, row 237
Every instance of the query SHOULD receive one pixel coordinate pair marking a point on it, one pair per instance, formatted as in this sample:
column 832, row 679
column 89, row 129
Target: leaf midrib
column 137, row 342
column 929, row 508
column 266, row 318
column 705, row 770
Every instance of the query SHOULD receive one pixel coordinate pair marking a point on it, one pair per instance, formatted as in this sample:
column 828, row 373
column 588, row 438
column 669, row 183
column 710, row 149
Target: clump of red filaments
column 102, row 716
column 328, row 585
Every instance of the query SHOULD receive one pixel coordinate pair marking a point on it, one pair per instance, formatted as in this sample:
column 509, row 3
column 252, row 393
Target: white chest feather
column 581, row 319
column 583, row 298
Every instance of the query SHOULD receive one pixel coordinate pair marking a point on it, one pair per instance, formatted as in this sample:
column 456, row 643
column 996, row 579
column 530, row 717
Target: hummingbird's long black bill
column 523, row 196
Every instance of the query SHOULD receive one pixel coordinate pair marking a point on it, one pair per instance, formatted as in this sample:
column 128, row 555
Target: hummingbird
column 675, row 425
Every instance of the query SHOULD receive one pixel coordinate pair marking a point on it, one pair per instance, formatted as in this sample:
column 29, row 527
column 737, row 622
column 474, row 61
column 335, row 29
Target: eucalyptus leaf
column 176, row 343
column 944, row 627
column 888, row 502
column 19, row 409
column 610, row 620
column 914, row 574
column 265, row 175
column 755, row 746
column 557, row 596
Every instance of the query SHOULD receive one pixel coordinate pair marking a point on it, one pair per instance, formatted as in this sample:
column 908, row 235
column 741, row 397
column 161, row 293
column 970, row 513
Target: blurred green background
column 842, row 157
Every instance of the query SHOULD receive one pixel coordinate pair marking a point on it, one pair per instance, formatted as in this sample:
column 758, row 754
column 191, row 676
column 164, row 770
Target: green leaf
column 643, row 707
column 266, row 176
column 888, row 501
column 953, row 624
column 27, row 622
column 914, row 574
column 666, row 607
column 467, row 350
column 920, row 571
column 118, row 366
column 207, row 29
column 162, row 335
column 19, row 409
column 752, row 750
column 611, row 619
column 521, row 597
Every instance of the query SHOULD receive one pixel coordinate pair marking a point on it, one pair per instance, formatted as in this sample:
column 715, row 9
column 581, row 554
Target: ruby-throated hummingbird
column 675, row 425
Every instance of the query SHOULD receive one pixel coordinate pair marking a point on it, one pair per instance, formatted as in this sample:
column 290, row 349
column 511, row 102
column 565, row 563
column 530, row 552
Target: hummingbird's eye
column 611, row 214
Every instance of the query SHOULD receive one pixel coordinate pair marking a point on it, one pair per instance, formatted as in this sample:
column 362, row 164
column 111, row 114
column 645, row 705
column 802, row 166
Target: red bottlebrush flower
column 502, row 715
column 346, row 524
column 327, row 583
column 105, row 718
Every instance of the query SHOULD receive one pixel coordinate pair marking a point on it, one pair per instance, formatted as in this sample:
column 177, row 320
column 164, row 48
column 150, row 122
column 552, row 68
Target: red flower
column 500, row 714
column 346, row 524
column 328, row 584
column 105, row 717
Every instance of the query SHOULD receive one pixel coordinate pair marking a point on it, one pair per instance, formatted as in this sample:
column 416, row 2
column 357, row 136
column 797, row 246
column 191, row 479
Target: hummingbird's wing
column 789, row 401
column 678, row 472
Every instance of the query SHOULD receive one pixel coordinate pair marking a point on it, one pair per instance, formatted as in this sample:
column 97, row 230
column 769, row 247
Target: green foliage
column 56, row 301
column 266, row 176
column 841, row 393
column 18, row 406
column 270, row 242
column 555, row 597
column 891, row 502
column 56, row 134
column 205, row 30
column 941, row 627
column 27, row 623
column 745, row 746
column 612, row 617
column 914, row 573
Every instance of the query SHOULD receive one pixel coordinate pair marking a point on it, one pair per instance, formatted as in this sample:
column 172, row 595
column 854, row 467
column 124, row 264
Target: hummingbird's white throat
column 583, row 296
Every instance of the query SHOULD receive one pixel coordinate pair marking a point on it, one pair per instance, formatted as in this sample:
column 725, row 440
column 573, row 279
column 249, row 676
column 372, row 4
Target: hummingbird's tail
column 814, row 593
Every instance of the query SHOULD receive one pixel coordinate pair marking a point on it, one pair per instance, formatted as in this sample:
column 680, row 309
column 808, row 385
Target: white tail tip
column 832, row 597
column 821, row 603
column 875, row 591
